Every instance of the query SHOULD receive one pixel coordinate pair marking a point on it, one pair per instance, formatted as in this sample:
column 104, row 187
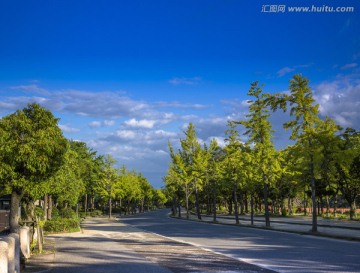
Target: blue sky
column 127, row 76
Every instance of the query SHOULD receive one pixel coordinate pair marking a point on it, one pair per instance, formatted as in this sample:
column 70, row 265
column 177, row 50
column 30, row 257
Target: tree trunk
column 283, row 211
column 208, row 203
column 187, row 205
column 236, row 207
column 267, row 215
column 110, row 207
column 127, row 208
column 305, row 203
column 313, row 199
column 14, row 211
column 214, row 204
column 86, row 204
column 352, row 210
column 29, row 207
column 246, row 203
column 313, row 191
column 241, row 202
column 92, row 201
column 290, row 206
column 197, row 205
column 230, row 206
column 335, row 205
column 173, row 206
column 252, row 209
column 142, row 206
column 50, row 206
column 273, row 206
column 45, row 208
column 327, row 205
column 120, row 204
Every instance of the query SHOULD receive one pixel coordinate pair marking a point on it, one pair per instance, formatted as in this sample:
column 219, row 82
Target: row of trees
column 323, row 163
column 129, row 189
column 38, row 163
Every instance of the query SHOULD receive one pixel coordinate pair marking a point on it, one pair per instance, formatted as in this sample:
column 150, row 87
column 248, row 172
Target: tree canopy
column 321, row 161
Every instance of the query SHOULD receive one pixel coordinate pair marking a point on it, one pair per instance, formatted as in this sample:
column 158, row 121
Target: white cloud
column 220, row 141
column 108, row 105
column 31, row 88
column 95, row 124
column 340, row 100
column 109, row 122
column 349, row 66
column 182, row 105
column 145, row 150
column 144, row 123
column 100, row 104
column 285, row 70
column 68, row 129
column 126, row 134
column 185, row 81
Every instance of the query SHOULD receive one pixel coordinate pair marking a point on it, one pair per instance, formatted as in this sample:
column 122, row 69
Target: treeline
column 38, row 165
column 248, row 174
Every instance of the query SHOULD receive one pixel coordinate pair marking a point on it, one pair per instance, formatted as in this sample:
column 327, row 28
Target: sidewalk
column 95, row 249
column 349, row 230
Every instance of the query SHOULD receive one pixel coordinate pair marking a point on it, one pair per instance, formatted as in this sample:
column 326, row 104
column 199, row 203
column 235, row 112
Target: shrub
column 96, row 213
column 39, row 212
column 82, row 214
column 116, row 210
column 62, row 225
column 55, row 213
column 68, row 213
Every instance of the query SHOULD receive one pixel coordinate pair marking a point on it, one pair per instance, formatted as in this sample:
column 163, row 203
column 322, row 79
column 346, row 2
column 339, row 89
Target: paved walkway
column 300, row 224
column 94, row 250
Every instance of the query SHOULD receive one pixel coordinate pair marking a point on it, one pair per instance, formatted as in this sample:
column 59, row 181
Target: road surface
column 278, row 251
column 110, row 246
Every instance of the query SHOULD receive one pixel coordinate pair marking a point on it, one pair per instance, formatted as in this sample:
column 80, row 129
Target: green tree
column 305, row 112
column 194, row 158
column 260, row 134
column 327, row 143
column 287, row 184
column 214, row 172
column 89, row 168
column 147, row 193
column 348, row 167
column 179, row 173
column 32, row 149
column 160, row 198
column 233, row 164
column 67, row 185
column 106, row 185
column 173, row 186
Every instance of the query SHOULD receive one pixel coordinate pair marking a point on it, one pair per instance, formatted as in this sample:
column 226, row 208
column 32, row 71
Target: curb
column 318, row 234
column 300, row 224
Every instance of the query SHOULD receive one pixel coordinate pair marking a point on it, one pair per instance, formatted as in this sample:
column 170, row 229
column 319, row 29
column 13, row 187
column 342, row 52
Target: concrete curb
column 309, row 233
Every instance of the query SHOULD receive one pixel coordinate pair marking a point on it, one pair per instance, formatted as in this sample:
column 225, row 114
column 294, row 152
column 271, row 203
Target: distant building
column 5, row 202
column 5, row 212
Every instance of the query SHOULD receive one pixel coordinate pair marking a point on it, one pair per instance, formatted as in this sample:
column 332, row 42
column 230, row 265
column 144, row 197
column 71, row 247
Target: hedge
column 62, row 225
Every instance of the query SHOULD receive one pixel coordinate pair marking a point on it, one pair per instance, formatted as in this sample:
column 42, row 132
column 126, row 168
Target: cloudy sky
column 126, row 77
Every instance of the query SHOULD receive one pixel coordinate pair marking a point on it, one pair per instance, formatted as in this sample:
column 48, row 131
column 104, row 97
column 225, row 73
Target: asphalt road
column 109, row 246
column 279, row 251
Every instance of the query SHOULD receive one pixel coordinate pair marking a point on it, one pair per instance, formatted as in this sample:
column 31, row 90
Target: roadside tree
column 32, row 149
